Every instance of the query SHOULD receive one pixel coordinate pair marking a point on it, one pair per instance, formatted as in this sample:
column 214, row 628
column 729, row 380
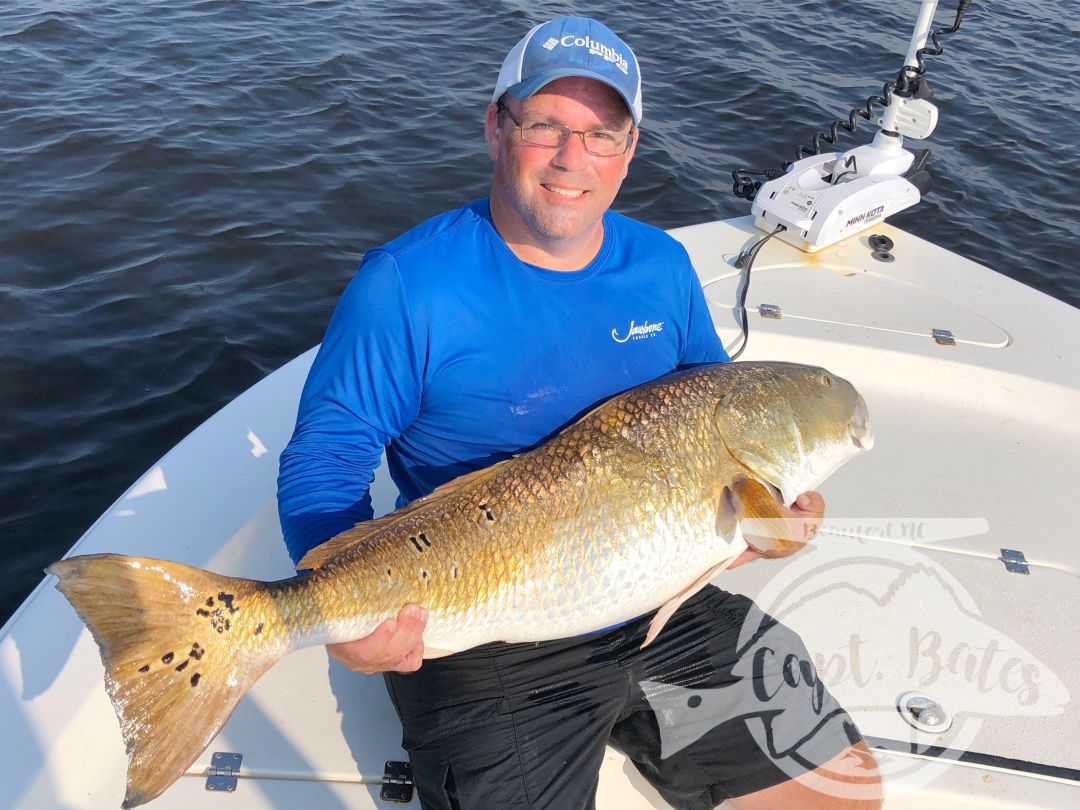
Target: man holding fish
column 478, row 335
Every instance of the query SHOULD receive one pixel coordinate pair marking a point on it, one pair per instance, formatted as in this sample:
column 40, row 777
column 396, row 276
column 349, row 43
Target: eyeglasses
column 599, row 142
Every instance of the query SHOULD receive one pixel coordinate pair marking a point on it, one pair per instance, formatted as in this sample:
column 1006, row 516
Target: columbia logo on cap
column 551, row 43
column 607, row 53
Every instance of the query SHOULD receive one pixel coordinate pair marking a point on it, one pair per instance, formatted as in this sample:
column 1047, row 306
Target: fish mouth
column 859, row 427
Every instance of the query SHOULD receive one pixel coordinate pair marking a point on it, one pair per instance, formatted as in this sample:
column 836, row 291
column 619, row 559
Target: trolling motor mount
column 823, row 198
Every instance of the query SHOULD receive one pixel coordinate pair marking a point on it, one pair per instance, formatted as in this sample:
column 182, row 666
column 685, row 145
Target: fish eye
column 825, row 380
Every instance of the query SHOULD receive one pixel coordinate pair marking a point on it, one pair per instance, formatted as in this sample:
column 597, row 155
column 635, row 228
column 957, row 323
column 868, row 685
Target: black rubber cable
column 745, row 262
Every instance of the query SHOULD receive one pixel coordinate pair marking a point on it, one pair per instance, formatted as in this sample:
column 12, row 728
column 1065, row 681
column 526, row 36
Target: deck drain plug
column 923, row 712
column 880, row 242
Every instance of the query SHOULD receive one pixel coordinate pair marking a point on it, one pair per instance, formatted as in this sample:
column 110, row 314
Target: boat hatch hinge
column 770, row 311
column 943, row 337
column 397, row 782
column 1015, row 561
column 224, row 767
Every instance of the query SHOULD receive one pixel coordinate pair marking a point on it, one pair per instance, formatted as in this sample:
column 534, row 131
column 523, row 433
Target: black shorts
column 724, row 702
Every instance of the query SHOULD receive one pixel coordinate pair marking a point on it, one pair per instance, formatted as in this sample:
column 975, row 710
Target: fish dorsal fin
column 364, row 532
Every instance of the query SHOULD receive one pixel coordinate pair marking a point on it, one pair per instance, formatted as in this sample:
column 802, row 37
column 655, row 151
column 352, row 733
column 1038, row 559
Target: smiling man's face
column 547, row 203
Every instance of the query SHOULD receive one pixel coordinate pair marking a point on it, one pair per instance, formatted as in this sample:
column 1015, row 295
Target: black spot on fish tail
column 416, row 543
column 182, row 664
column 195, row 679
column 259, row 628
column 228, row 598
column 167, row 658
column 388, row 572
column 484, row 508
column 210, row 602
column 423, row 574
column 144, row 668
column 455, row 572
column 218, row 620
column 424, row 537
column 197, row 652
column 201, row 612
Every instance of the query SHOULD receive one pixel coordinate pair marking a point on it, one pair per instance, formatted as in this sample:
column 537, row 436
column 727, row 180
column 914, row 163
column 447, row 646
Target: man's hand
column 808, row 510
column 396, row 645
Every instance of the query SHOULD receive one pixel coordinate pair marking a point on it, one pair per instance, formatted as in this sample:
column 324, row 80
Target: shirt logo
column 636, row 332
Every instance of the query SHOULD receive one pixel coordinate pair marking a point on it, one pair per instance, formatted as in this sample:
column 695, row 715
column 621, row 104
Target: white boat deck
column 976, row 450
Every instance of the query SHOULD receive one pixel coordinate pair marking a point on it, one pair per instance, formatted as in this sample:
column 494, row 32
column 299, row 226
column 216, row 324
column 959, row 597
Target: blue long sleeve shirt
column 453, row 354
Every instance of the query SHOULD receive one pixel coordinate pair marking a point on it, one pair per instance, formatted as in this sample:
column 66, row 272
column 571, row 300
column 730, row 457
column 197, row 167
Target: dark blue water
column 185, row 187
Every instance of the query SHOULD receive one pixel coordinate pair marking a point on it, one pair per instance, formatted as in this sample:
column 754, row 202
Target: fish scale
column 630, row 509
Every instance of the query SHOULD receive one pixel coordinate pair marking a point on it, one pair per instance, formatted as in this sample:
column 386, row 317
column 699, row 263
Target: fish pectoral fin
column 765, row 526
column 667, row 610
column 727, row 515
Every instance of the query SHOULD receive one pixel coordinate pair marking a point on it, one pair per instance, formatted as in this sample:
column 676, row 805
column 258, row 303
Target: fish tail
column 180, row 647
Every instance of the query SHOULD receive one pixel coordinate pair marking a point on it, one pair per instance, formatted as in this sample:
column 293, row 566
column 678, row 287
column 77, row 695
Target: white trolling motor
column 823, row 198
